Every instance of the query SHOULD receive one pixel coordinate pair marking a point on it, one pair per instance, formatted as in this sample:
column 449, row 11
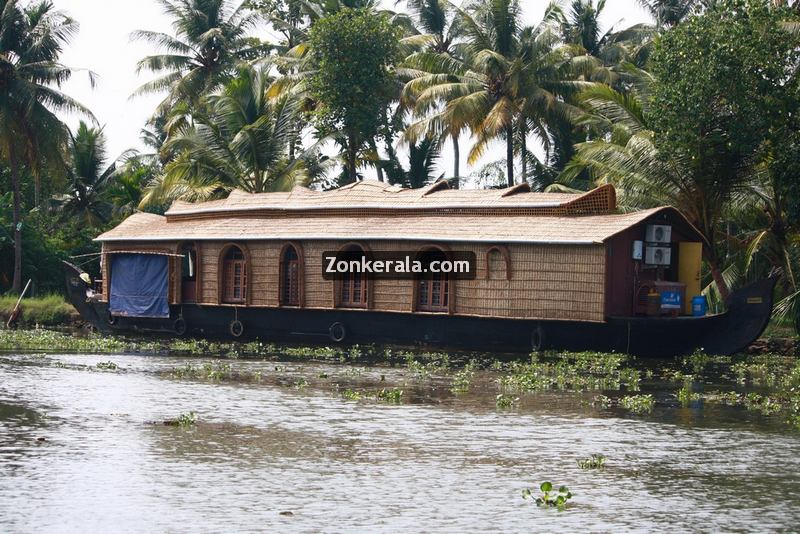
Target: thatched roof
column 590, row 229
column 376, row 211
column 374, row 195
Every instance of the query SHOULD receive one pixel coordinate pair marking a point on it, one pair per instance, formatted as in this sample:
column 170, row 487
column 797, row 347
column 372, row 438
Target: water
column 79, row 453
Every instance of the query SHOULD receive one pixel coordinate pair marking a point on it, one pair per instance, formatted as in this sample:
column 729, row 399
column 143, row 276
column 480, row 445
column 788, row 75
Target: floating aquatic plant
column 390, row 395
column 301, row 383
column 572, row 371
column 463, row 378
column 595, row 461
column 638, row 404
column 183, row 420
column 350, row 394
column 187, row 419
column 504, row 401
column 549, row 498
column 107, row 366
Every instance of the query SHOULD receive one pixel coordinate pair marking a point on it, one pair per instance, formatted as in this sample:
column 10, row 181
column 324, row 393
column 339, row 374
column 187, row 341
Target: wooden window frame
column 300, row 276
column 448, row 281
column 221, row 271
column 178, row 270
column 366, row 284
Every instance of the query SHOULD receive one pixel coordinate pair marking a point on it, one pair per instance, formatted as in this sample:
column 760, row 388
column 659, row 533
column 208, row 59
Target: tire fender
column 337, row 332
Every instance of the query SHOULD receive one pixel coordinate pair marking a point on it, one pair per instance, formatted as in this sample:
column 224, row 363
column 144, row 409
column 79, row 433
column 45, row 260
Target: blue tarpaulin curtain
column 139, row 285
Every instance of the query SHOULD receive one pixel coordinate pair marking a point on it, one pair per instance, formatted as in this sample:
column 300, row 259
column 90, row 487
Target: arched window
column 353, row 287
column 234, row 276
column 498, row 264
column 290, row 276
column 433, row 289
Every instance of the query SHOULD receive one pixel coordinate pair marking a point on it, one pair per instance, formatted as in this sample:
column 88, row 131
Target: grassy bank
column 50, row 310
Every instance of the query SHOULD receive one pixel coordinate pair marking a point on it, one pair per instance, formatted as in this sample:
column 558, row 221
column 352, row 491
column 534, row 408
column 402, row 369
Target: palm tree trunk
column 523, row 134
column 456, row 163
column 378, row 168
column 16, row 285
column 510, row 154
column 352, row 154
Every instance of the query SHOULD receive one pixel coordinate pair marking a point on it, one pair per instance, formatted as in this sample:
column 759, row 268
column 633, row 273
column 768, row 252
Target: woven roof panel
column 374, row 194
column 513, row 228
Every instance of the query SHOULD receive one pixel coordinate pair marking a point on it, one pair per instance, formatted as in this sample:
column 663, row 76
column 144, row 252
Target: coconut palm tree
column 422, row 160
column 668, row 13
column 211, row 38
column 127, row 187
column 242, row 142
column 439, row 31
column 89, row 178
column 504, row 78
column 32, row 39
column 580, row 27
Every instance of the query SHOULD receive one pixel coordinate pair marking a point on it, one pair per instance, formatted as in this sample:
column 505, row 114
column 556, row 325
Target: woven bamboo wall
column 546, row 281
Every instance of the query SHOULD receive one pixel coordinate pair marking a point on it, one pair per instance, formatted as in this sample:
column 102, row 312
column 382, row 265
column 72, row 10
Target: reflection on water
column 434, row 463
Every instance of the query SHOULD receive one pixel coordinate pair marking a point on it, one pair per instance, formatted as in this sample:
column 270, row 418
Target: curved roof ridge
column 372, row 194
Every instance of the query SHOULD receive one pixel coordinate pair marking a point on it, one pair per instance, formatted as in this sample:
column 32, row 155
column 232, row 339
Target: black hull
column 748, row 315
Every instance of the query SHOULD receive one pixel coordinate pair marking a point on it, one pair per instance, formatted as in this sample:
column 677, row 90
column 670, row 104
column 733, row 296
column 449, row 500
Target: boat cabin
column 549, row 256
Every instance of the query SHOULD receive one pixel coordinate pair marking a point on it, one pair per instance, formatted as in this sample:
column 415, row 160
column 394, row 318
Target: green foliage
column 595, row 461
column 575, row 371
column 86, row 200
column 187, row 419
column 353, row 52
column 686, row 396
column 669, row 12
column 638, row 404
column 32, row 135
column 425, row 365
column 350, row 394
column 463, row 378
column 241, row 141
column 602, row 401
column 779, row 375
column 549, row 498
column 393, row 395
column 211, row 38
column 50, row 310
column 725, row 86
column 504, row 401
column 107, row 366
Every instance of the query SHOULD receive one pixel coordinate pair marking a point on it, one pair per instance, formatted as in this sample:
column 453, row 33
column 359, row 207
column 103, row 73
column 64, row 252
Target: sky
column 104, row 47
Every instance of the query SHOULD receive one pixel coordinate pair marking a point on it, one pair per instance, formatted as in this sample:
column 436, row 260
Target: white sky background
column 103, row 46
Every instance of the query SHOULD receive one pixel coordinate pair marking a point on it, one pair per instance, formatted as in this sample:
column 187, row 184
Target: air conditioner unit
column 658, row 256
column 658, row 233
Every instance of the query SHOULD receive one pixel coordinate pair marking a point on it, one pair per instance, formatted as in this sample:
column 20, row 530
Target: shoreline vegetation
column 765, row 384
column 46, row 311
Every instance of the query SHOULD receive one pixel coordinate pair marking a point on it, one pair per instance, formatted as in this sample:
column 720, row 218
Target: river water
column 86, row 450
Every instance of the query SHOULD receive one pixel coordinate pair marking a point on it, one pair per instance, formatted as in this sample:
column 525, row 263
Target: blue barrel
column 699, row 306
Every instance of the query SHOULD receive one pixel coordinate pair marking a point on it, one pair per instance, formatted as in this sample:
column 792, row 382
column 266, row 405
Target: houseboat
column 550, row 271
